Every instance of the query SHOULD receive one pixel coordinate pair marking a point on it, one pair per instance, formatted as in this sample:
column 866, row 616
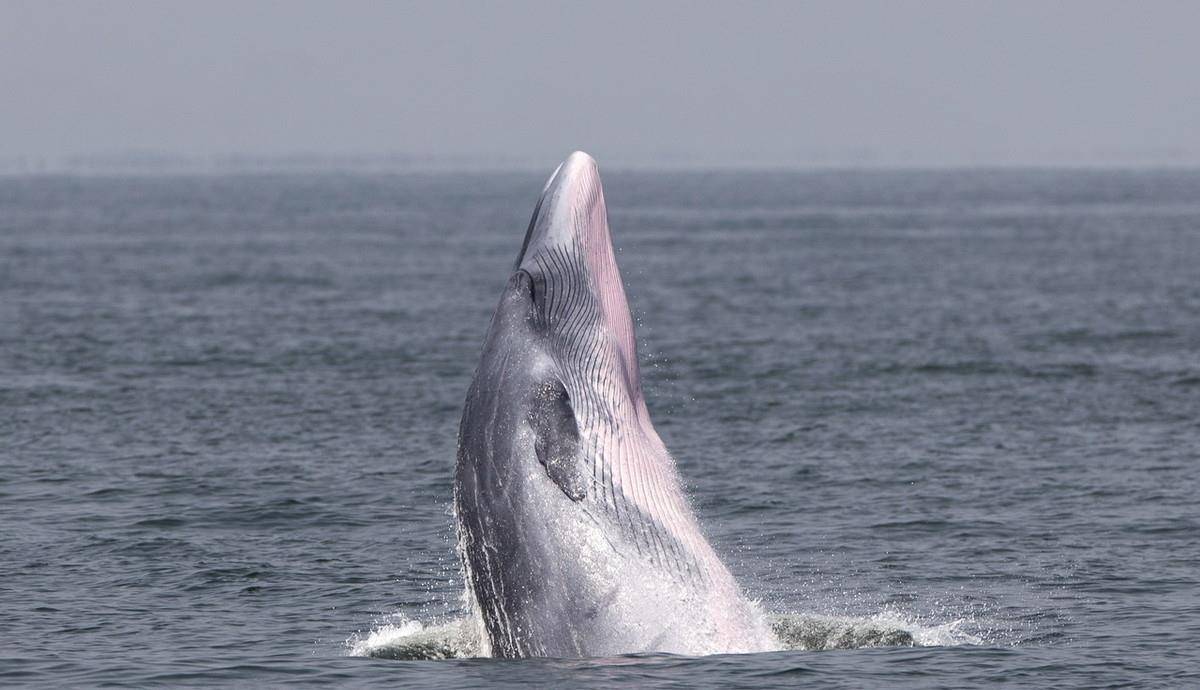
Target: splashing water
column 398, row 637
column 813, row 632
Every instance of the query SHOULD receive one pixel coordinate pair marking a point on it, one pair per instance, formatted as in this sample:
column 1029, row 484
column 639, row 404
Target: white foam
column 399, row 637
column 945, row 635
column 806, row 631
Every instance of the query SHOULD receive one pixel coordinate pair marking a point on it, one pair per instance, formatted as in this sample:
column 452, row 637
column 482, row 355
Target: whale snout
column 568, row 253
column 566, row 214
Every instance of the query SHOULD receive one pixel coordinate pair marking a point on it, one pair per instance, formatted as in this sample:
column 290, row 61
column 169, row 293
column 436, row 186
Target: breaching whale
column 574, row 531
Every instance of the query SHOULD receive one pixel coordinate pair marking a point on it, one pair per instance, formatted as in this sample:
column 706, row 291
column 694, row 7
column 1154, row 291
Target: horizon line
column 160, row 162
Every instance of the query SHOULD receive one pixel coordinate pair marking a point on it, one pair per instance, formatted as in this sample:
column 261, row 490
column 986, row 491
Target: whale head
column 578, row 298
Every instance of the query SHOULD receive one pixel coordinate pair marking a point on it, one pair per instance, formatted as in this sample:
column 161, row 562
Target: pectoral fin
column 556, row 438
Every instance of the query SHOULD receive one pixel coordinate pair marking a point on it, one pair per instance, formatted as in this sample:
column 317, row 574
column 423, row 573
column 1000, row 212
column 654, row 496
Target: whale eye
column 537, row 293
column 523, row 282
column 531, row 286
column 540, row 303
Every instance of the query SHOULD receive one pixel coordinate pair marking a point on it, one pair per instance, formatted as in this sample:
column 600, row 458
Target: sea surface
column 944, row 425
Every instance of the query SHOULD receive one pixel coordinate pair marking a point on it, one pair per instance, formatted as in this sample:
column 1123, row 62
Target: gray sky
column 929, row 83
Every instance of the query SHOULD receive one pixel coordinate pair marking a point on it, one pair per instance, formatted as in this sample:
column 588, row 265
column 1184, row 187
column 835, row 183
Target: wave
column 399, row 637
column 814, row 632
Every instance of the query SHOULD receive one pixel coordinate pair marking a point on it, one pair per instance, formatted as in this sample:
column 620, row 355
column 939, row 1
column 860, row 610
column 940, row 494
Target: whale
column 575, row 534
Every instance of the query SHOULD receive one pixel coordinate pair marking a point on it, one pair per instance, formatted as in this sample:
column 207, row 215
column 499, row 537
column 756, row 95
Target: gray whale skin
column 574, row 531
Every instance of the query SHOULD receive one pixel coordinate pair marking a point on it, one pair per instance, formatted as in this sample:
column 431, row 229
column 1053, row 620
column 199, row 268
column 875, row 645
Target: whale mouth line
column 537, row 212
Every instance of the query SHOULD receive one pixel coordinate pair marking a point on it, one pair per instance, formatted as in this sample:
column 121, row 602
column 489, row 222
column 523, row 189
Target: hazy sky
column 701, row 82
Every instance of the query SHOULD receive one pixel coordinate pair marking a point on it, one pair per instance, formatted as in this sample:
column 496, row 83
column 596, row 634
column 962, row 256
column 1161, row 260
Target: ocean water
column 943, row 425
